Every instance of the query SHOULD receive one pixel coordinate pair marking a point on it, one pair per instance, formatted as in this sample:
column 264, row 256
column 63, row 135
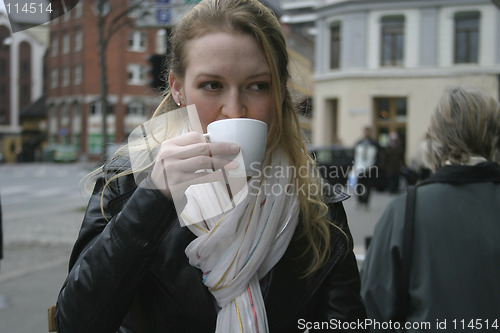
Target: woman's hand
column 183, row 161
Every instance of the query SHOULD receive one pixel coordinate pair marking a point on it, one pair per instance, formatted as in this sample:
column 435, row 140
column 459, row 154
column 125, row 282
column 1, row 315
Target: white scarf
column 234, row 250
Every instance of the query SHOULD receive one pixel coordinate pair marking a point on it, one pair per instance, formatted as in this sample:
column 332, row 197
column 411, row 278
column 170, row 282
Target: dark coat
column 131, row 274
column 455, row 267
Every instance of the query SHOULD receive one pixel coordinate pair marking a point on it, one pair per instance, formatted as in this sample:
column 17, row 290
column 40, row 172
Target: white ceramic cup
column 249, row 134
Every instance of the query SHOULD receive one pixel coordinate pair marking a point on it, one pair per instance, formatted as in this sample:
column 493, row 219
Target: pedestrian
column 366, row 152
column 134, row 268
column 453, row 266
column 392, row 163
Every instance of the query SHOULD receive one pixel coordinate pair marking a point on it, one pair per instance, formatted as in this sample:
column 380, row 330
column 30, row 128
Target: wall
column 355, row 99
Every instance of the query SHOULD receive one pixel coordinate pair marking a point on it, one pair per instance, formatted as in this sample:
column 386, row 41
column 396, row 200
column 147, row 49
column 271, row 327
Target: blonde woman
column 278, row 262
column 454, row 269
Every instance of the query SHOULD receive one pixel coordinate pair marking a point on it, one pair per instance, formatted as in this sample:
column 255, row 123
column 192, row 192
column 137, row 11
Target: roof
column 35, row 110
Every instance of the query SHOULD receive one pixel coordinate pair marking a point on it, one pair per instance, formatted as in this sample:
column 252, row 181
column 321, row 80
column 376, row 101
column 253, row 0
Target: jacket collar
column 332, row 194
column 184, row 282
column 463, row 174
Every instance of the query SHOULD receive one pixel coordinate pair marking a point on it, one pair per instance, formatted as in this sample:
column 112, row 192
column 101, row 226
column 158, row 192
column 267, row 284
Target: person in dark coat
column 280, row 260
column 393, row 161
column 454, row 270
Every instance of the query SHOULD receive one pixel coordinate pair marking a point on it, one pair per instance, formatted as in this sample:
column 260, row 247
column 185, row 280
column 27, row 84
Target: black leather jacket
column 130, row 274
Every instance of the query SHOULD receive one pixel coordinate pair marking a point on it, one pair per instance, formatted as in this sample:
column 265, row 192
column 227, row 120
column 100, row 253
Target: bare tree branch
column 121, row 20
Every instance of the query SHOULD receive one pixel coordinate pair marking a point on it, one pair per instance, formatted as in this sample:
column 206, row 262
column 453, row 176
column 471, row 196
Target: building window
column 24, row 81
column 78, row 9
column 65, row 76
column 66, row 16
column 76, row 125
column 135, row 109
column 95, row 108
column 25, row 68
column 4, row 96
column 77, row 44
column 136, row 74
column 3, row 67
column 466, row 37
column 392, row 42
column 65, row 119
column 54, row 78
column 390, row 116
column 54, row 17
column 137, row 41
column 54, row 46
column 3, row 116
column 161, row 41
column 335, row 45
column 77, row 75
column 65, row 43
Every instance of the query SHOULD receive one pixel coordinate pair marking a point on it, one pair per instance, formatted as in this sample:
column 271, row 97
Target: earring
column 179, row 104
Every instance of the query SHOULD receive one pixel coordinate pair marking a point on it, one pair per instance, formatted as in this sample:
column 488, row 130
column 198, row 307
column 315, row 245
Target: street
column 43, row 206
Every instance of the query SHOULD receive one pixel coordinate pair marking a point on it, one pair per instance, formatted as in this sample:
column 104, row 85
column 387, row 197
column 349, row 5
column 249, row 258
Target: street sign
column 163, row 12
column 163, row 16
column 160, row 13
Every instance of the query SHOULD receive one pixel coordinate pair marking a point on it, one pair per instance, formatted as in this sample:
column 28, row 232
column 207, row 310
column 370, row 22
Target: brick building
column 73, row 78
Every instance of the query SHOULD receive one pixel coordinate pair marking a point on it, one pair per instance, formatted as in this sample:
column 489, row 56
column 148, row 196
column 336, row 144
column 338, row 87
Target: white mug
column 249, row 134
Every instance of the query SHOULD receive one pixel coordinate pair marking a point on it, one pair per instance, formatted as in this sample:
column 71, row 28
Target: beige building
column 384, row 64
column 21, row 81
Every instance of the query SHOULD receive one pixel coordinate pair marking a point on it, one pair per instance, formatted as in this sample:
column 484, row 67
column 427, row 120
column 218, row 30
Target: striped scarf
column 238, row 247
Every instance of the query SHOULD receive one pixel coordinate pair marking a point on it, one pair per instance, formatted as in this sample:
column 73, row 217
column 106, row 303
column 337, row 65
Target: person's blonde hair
column 466, row 123
column 253, row 18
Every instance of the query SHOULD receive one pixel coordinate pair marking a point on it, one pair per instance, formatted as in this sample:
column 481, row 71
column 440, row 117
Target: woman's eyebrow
column 214, row 75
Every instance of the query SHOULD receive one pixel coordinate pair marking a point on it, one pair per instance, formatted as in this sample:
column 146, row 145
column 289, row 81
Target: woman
column 135, row 269
column 454, row 270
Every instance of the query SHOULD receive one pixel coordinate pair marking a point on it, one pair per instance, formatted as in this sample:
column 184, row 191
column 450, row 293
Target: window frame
column 463, row 25
column 393, row 27
column 335, row 44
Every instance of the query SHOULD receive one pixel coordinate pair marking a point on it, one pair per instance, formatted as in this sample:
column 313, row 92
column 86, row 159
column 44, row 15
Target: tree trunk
column 103, row 79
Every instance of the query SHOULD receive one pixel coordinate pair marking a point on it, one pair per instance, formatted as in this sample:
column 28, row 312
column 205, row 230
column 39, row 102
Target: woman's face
column 227, row 76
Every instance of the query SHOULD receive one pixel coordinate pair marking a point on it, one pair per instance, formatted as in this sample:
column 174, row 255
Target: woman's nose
column 233, row 106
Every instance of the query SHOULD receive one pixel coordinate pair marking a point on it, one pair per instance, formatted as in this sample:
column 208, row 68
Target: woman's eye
column 259, row 86
column 212, row 85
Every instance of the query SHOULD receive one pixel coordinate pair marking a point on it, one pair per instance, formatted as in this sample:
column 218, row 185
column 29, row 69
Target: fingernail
column 235, row 148
column 232, row 165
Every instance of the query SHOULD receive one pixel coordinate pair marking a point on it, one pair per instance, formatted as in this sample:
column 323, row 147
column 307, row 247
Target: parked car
column 334, row 162
column 60, row 153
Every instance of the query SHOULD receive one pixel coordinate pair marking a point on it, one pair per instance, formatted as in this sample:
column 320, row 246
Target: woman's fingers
column 197, row 163
column 200, row 149
column 194, row 144
column 185, row 159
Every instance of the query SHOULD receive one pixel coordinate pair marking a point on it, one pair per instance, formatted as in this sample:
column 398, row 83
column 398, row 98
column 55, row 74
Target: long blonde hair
column 253, row 18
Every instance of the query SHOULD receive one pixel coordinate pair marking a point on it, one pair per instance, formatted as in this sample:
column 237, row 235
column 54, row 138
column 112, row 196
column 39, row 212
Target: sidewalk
column 362, row 221
column 32, row 276
column 28, row 298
